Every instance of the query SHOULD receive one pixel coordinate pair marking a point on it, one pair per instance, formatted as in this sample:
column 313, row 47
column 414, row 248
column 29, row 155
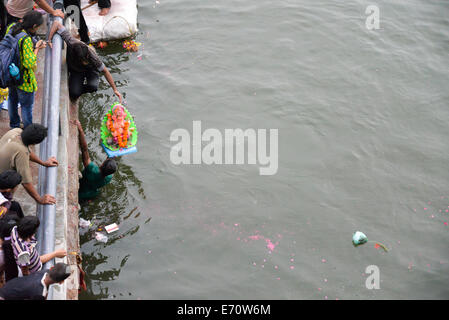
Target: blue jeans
column 26, row 100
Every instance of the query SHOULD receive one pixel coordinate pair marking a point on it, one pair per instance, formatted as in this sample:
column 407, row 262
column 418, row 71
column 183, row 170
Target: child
column 24, row 243
column 24, row 94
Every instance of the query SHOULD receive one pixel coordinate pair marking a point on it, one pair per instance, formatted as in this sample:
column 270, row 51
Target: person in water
column 94, row 177
column 83, row 64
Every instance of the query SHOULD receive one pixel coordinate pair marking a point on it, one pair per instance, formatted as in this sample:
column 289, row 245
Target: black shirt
column 25, row 288
column 73, row 61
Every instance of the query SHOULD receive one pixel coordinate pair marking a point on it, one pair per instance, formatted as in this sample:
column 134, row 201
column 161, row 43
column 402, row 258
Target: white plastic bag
column 101, row 237
column 84, row 223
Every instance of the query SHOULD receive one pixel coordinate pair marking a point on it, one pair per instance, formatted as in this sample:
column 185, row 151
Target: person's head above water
column 81, row 51
column 30, row 23
column 109, row 166
column 33, row 134
column 9, row 180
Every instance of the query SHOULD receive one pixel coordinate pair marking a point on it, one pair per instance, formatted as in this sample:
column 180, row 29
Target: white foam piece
column 119, row 23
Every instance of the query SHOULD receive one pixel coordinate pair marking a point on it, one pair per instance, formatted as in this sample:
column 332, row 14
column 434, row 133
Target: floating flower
column 131, row 45
column 102, row 44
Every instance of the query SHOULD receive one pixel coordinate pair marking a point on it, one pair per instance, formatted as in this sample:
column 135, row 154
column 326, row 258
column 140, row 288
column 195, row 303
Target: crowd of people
column 21, row 267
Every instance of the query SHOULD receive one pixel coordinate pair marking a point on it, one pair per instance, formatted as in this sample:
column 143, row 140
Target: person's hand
column 58, row 13
column 41, row 44
column 51, row 162
column 60, row 253
column 54, row 27
column 119, row 96
column 47, row 199
column 77, row 123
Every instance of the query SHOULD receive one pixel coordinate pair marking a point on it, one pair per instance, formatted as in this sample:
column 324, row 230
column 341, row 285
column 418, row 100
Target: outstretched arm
column 51, row 162
column 50, row 256
column 44, row 5
column 46, row 199
column 83, row 144
column 54, row 28
column 110, row 80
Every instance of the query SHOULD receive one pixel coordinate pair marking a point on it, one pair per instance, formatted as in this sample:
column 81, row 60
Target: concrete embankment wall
column 66, row 233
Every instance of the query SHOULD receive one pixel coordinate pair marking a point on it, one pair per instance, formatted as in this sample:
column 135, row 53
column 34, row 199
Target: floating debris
column 84, row 223
column 111, row 228
column 359, row 238
column 380, row 245
column 101, row 237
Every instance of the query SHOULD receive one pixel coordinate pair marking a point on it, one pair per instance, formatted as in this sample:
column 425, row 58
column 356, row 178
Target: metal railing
column 49, row 147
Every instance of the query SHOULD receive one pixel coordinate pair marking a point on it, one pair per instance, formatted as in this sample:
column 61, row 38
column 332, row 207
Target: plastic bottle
column 14, row 71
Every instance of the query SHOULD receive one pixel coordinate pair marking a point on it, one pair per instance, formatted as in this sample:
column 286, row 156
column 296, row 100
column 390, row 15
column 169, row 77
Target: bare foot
column 104, row 11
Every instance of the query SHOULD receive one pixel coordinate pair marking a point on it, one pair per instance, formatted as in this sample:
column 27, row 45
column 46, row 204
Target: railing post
column 43, row 146
column 49, row 147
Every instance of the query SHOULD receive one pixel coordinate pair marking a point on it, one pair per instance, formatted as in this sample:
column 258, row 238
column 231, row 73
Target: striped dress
column 25, row 252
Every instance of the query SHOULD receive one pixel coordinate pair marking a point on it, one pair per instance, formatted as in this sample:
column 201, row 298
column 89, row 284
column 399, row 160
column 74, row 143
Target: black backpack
column 10, row 53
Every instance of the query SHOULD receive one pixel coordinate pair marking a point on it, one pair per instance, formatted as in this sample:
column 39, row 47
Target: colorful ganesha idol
column 118, row 127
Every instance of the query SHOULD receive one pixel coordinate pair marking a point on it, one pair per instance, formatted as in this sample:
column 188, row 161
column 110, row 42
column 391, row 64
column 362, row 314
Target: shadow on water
column 118, row 200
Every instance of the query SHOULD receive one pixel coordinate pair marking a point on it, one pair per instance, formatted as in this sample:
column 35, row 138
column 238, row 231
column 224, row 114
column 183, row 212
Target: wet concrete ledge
column 66, row 231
